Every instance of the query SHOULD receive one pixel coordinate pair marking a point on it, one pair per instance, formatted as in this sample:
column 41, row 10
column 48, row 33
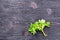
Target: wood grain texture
column 16, row 16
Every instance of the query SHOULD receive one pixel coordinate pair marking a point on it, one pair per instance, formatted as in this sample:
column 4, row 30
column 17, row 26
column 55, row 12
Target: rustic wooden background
column 16, row 15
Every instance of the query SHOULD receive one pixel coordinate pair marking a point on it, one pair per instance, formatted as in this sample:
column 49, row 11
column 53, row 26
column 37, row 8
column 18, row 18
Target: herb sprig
column 39, row 25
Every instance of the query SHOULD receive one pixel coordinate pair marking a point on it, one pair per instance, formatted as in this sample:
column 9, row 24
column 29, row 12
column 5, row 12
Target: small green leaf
column 47, row 24
column 42, row 21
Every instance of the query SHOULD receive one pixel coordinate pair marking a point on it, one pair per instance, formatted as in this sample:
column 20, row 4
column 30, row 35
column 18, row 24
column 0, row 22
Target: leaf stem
column 44, row 33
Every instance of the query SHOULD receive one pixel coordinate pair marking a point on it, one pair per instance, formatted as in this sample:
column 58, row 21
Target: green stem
column 44, row 33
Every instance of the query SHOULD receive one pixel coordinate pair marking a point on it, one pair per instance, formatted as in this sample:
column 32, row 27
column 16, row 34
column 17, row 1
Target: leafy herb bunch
column 39, row 25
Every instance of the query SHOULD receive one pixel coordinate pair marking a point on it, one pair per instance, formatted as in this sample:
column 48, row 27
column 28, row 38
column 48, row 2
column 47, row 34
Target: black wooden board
column 16, row 16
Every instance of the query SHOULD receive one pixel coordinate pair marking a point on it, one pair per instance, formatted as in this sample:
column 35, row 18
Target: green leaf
column 34, row 32
column 42, row 21
column 47, row 24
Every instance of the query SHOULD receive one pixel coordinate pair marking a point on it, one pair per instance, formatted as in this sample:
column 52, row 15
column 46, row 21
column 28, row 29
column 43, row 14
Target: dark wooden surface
column 16, row 15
